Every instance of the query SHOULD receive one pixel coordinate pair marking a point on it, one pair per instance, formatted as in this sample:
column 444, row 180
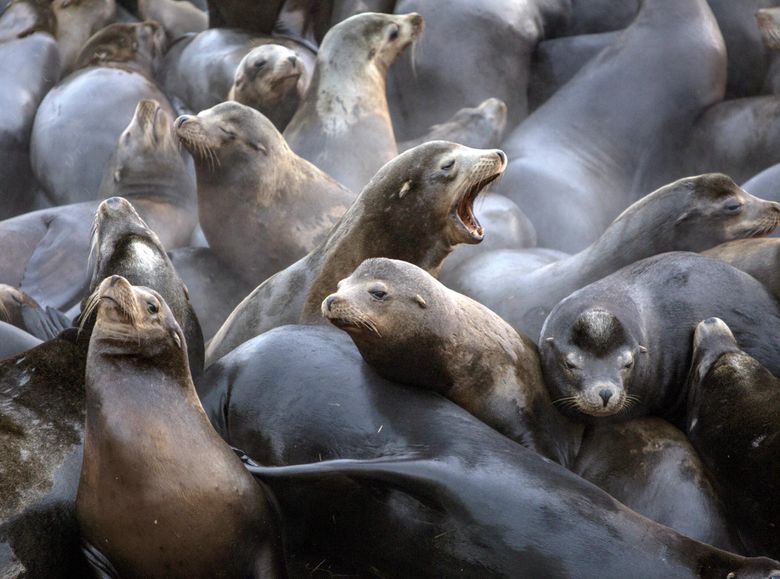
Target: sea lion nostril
column 605, row 395
column 293, row 60
column 115, row 279
column 329, row 302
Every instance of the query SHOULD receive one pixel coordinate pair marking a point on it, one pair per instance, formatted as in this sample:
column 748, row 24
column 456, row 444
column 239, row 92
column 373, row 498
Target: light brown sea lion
column 161, row 494
column 418, row 207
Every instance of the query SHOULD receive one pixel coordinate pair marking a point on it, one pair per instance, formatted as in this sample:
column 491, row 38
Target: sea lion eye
column 230, row 134
column 152, row 308
column 628, row 364
column 260, row 64
column 378, row 294
column 394, row 33
column 570, row 365
column 733, row 206
column 448, row 165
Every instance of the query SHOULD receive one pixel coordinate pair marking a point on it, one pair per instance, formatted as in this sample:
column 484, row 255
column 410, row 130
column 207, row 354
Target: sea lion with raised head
column 272, row 79
column 621, row 347
column 691, row 214
column 413, row 330
column 279, row 206
column 343, row 124
column 79, row 121
column 732, row 420
column 417, row 208
column 160, row 492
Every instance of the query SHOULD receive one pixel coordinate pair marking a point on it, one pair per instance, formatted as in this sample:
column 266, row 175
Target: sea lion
column 757, row 257
column 272, row 79
column 584, row 148
column 177, row 17
column 78, row 122
column 199, row 70
column 620, row 347
column 29, row 67
column 491, row 265
column 25, row 17
column 159, row 491
column 76, row 23
column 416, row 208
column 413, row 330
column 691, row 214
column 766, row 184
column 14, row 340
column 20, row 310
column 46, row 251
column 732, row 420
column 343, row 124
column 279, row 206
column 595, row 16
column 42, row 418
column 122, row 244
column 479, row 127
column 488, row 56
column 460, row 498
column 244, row 14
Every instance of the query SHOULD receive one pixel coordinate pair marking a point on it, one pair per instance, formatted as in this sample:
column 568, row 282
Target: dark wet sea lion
column 79, row 121
column 757, row 257
column 160, row 493
column 46, row 251
column 620, row 347
column 416, row 208
column 691, row 214
column 480, row 127
column 413, row 330
column 584, row 148
column 279, row 206
column 272, row 79
column 41, row 428
column 245, row 14
column 458, row 498
column 343, row 124
column 29, row 67
column 732, row 420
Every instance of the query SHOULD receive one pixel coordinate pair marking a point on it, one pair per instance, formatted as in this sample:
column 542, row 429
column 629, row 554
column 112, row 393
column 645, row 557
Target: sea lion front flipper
column 99, row 563
column 44, row 323
column 56, row 274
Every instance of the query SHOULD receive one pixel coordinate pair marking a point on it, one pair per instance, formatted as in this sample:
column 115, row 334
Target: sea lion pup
column 417, row 208
column 122, row 244
column 733, row 420
column 480, row 127
column 621, row 347
column 177, row 17
column 343, row 124
column 160, row 492
column 412, row 329
column 458, row 498
column 691, row 214
column 277, row 205
column 757, row 257
column 271, row 79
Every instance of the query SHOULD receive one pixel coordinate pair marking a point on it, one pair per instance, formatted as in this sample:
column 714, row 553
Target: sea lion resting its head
column 417, row 208
column 160, row 491
column 413, row 330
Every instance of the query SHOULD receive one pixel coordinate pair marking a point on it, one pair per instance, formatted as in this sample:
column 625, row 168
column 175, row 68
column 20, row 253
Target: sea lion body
column 14, row 340
column 757, row 257
column 279, row 205
column 76, row 23
column 79, row 121
column 343, row 124
column 620, row 347
column 177, row 17
column 416, row 208
column 442, row 494
column 29, row 67
column 691, row 214
column 732, row 418
column 26, row 17
column 160, row 493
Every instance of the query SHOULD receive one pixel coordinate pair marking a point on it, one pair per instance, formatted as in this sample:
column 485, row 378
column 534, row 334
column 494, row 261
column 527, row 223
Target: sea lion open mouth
column 464, row 210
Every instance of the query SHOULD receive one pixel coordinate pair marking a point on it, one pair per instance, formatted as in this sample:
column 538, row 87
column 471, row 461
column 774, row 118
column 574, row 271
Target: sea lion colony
column 394, row 288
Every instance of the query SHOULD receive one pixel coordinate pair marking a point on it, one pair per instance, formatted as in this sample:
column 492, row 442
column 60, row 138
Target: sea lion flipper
column 100, row 565
column 52, row 278
column 44, row 323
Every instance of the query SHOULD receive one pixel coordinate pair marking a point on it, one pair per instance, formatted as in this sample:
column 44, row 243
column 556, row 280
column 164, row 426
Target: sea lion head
column 141, row 45
column 266, row 75
column 136, row 321
column 228, row 134
column 715, row 210
column 488, row 120
column 372, row 37
column 430, row 191
column 590, row 367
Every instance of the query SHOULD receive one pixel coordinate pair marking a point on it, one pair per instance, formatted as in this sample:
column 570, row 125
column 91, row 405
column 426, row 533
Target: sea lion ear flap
column 405, row 189
column 642, row 350
column 550, row 341
column 420, row 301
column 176, row 339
